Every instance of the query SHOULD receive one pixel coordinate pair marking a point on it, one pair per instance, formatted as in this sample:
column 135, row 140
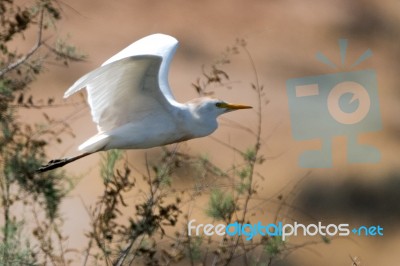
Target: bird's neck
column 199, row 124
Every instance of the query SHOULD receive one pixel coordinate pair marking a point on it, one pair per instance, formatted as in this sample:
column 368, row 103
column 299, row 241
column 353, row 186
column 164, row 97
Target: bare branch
column 28, row 55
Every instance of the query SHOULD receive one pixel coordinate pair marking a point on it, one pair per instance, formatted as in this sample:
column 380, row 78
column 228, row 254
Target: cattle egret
column 133, row 106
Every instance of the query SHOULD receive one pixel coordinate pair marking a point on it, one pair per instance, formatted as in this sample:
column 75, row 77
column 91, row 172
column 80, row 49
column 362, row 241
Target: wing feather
column 155, row 44
column 123, row 91
column 132, row 84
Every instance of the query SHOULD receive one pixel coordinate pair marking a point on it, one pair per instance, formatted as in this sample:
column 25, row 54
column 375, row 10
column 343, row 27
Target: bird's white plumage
column 129, row 84
column 123, row 91
column 156, row 44
column 133, row 106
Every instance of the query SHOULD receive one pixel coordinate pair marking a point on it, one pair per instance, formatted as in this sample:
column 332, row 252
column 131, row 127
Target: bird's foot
column 52, row 164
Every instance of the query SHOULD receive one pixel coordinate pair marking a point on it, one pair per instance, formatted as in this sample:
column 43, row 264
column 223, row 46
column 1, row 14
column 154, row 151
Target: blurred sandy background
column 283, row 38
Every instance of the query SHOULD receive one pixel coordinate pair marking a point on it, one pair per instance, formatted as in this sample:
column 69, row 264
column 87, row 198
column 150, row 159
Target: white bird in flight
column 133, row 106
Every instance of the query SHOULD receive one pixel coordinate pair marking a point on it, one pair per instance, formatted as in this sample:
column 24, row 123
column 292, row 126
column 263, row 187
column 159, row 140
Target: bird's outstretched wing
column 123, row 91
column 155, row 44
column 117, row 88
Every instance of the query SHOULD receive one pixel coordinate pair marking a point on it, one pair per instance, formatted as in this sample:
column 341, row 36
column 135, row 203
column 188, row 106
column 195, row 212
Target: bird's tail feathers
column 95, row 143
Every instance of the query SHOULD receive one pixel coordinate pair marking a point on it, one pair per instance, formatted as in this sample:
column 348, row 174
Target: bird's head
column 205, row 111
column 212, row 108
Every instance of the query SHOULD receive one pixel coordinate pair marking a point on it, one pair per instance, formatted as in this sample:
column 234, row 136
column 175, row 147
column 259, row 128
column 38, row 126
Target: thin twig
column 23, row 59
column 233, row 124
column 256, row 151
column 67, row 56
column 227, row 145
column 45, row 106
column 89, row 247
column 152, row 199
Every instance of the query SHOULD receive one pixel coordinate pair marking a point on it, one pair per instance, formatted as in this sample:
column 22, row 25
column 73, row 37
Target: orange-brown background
column 283, row 38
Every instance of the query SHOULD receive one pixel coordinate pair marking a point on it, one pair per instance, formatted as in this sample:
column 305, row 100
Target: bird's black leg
column 53, row 164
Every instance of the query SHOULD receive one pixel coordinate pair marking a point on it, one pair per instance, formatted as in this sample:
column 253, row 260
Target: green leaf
column 220, row 205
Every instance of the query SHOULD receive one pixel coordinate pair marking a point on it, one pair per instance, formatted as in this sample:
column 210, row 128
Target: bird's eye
column 220, row 104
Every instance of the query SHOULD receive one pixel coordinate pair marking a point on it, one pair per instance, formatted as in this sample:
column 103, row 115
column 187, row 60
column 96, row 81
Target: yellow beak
column 231, row 106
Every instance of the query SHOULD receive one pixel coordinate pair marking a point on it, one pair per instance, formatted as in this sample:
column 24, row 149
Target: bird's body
column 133, row 106
column 178, row 124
